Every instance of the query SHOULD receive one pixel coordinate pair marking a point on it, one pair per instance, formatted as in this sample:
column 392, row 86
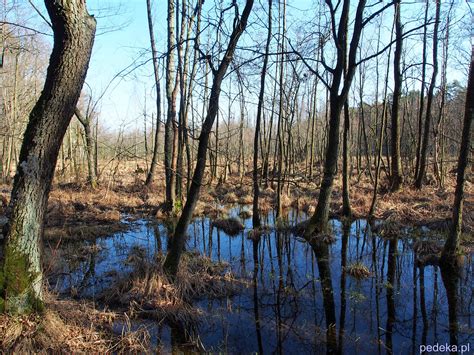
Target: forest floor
column 77, row 212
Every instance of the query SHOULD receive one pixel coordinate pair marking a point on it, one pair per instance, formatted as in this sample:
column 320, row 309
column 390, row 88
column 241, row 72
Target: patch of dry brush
column 147, row 292
column 68, row 327
column 231, row 226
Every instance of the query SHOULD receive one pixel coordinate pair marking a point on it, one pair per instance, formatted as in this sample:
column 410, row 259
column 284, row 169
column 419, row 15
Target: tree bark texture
column 21, row 275
column 319, row 220
column 171, row 136
column 452, row 243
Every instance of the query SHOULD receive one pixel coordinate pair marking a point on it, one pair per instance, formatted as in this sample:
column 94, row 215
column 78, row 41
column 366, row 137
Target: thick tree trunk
column 174, row 254
column 21, row 275
column 452, row 243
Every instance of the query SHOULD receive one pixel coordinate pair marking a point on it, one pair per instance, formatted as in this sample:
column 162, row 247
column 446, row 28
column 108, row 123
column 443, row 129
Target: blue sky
column 116, row 50
column 122, row 36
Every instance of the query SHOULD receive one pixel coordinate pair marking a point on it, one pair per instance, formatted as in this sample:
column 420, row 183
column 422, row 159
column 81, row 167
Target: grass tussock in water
column 358, row 271
column 256, row 233
column 146, row 291
column 231, row 226
column 68, row 326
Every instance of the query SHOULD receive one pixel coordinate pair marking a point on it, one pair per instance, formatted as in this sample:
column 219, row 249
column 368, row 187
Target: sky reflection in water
column 296, row 291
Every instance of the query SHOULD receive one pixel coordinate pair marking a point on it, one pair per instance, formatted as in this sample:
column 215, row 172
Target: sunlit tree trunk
column 174, row 254
column 256, row 216
column 86, row 124
column 452, row 243
column 396, row 176
column 154, row 54
column 338, row 97
column 21, row 275
column 279, row 148
column 383, row 124
column 171, row 135
column 426, row 134
column 422, row 94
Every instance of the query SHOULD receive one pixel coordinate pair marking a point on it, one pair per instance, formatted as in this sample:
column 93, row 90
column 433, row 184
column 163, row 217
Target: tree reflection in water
column 296, row 296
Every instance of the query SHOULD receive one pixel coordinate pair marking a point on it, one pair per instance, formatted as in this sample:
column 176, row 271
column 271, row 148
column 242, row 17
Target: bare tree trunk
column 426, row 133
column 154, row 54
column 396, row 176
column 174, row 254
column 86, row 124
column 367, row 148
column 319, row 220
column 452, row 243
column 379, row 158
column 256, row 215
column 422, row 95
column 313, row 116
column 281, row 113
column 438, row 146
column 170, row 125
column 346, row 202
column 21, row 275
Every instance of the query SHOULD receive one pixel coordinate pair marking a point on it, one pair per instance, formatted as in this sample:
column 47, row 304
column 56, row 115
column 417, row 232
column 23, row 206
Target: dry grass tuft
column 245, row 214
column 231, row 198
column 68, row 327
column 264, row 205
column 245, row 200
column 255, row 234
column 285, row 200
column 231, row 226
column 358, row 271
column 146, row 291
column 207, row 209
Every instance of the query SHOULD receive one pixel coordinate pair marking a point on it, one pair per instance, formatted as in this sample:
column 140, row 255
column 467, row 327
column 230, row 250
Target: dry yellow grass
column 358, row 271
column 69, row 326
column 231, row 226
column 126, row 194
column 146, row 291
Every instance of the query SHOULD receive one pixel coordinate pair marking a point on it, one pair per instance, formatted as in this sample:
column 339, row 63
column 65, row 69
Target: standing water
column 353, row 292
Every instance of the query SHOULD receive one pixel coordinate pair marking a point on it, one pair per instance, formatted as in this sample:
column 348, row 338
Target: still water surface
column 297, row 292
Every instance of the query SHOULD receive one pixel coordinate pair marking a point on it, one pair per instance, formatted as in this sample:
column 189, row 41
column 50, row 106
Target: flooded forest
column 236, row 176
